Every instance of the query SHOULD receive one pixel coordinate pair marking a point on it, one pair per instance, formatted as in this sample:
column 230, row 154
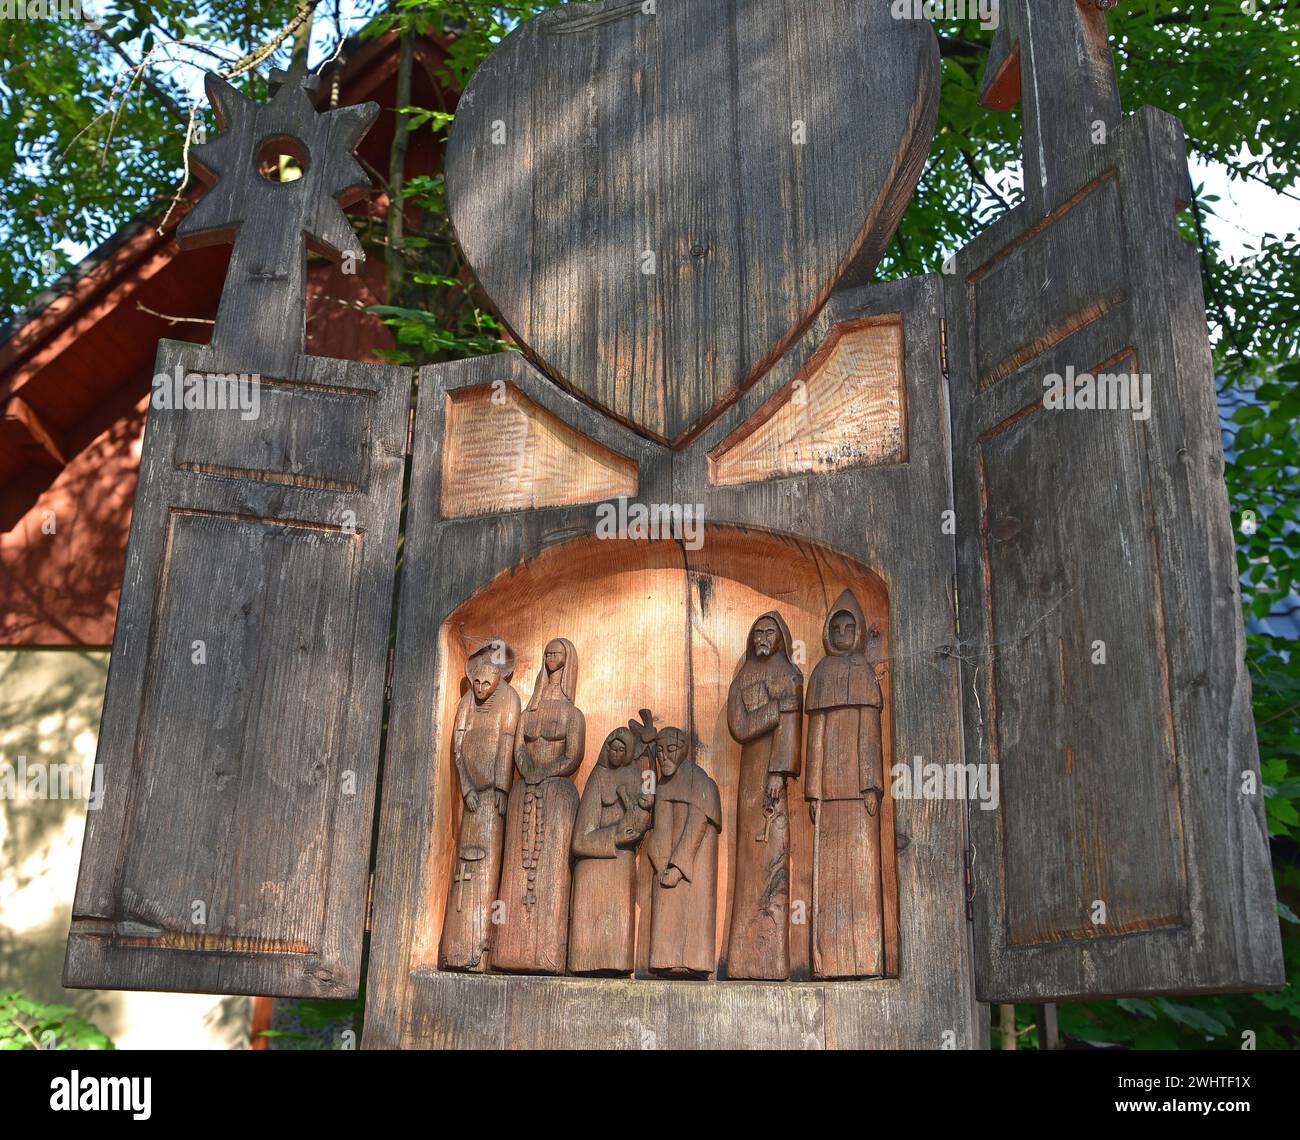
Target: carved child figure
column 683, row 850
column 612, row 819
column 483, row 745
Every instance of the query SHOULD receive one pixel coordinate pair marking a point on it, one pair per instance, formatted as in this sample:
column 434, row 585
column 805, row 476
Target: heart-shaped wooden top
column 659, row 197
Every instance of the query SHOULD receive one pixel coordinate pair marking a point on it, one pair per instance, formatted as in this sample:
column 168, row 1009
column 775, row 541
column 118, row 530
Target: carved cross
column 261, row 321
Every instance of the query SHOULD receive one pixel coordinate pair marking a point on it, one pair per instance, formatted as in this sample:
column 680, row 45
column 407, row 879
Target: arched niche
column 662, row 627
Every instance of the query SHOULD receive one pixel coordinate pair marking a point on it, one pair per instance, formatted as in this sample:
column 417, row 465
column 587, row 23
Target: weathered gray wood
column 756, row 151
column 261, row 321
column 1053, row 56
column 245, row 782
column 1121, row 782
column 888, row 517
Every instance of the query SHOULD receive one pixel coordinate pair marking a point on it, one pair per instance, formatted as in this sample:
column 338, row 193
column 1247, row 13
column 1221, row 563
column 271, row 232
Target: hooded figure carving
column 533, row 934
column 843, row 784
column 764, row 714
column 683, row 852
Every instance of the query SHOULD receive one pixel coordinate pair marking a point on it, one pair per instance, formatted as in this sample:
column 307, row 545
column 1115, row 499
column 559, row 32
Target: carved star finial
column 265, row 294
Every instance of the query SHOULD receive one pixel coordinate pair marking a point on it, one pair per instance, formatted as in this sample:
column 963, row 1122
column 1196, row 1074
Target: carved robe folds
column 612, row 819
column 683, row 850
column 533, row 935
column 843, row 783
column 483, row 745
column 764, row 714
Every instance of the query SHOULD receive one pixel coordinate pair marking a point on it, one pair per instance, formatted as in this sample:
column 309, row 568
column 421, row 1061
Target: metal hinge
column 943, row 347
column 968, row 876
column 388, row 673
column 370, row 900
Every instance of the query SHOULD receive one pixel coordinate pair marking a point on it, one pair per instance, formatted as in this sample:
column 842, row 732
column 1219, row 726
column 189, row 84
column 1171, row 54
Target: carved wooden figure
column 683, row 850
column 612, row 819
column 532, row 936
column 843, row 783
column 483, row 745
column 764, row 714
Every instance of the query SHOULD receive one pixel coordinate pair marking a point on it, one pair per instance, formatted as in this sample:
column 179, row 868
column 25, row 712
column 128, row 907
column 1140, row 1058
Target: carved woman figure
column 612, row 819
column 764, row 714
column 843, row 784
column 683, row 850
column 483, row 745
column 532, row 934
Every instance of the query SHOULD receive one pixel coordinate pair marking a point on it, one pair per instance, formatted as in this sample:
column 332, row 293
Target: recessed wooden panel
column 504, row 453
column 846, row 409
column 1060, row 275
column 303, row 435
column 236, row 726
column 657, row 627
column 1063, row 720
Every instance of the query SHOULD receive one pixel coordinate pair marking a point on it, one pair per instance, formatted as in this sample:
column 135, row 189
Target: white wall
column 49, row 712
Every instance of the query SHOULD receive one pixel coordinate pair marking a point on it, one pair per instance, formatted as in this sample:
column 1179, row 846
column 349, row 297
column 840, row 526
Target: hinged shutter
column 1127, row 853
column 240, row 736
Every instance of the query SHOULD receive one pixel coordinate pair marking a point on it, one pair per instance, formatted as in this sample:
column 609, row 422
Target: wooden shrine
column 698, row 587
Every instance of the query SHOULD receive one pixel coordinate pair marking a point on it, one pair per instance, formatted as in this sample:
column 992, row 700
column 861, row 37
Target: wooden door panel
column 239, row 741
column 1101, row 635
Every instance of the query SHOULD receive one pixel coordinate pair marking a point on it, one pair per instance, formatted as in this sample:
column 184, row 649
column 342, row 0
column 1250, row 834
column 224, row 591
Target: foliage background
column 89, row 139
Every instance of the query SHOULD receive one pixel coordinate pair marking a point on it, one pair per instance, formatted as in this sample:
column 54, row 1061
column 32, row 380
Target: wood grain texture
column 1121, row 782
column 1054, row 57
column 262, row 320
column 612, row 820
column 658, row 204
column 845, row 411
column 682, row 617
column 504, row 453
column 887, row 519
column 241, row 774
column 844, row 784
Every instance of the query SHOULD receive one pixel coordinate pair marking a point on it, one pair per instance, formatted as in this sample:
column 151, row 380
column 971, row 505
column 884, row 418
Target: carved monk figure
column 612, row 819
column 764, row 714
column 683, row 850
column 483, row 744
column 843, row 784
column 532, row 935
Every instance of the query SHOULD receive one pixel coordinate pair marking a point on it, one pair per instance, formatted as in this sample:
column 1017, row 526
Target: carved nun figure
column 844, row 784
column 612, row 819
column 483, row 745
column 533, row 933
column 764, row 714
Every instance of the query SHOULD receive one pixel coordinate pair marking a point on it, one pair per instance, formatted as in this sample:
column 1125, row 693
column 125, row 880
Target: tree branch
column 138, row 70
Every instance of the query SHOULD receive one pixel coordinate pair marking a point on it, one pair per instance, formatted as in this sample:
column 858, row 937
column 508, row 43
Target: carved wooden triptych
column 701, row 587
